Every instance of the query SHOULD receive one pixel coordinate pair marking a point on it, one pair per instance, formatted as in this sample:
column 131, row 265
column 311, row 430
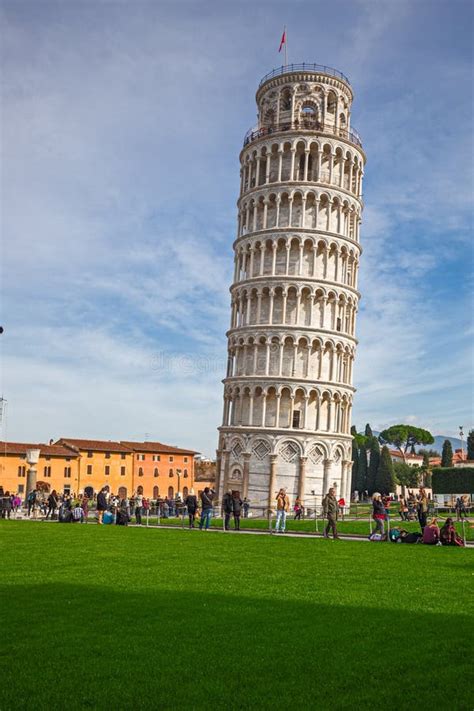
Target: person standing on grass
column 192, row 505
column 403, row 508
column 422, row 508
column 138, row 508
column 237, row 510
column 85, row 506
column 101, row 505
column 227, row 507
column 378, row 513
column 52, row 503
column 31, row 501
column 283, row 506
column 298, row 509
column 246, row 507
column 207, row 497
column 330, row 511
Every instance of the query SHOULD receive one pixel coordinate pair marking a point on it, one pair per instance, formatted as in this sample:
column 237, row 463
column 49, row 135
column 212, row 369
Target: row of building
column 72, row 465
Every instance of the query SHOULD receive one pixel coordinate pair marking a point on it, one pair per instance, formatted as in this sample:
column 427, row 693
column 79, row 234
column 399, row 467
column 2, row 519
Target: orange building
column 58, row 467
column 161, row 470
column 102, row 463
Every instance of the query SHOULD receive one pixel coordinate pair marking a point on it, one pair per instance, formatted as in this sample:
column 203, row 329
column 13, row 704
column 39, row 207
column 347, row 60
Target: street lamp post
column 32, row 457
column 461, row 434
column 178, row 474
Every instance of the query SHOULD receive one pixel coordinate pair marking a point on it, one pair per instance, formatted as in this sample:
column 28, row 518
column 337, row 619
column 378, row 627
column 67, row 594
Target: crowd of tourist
column 121, row 510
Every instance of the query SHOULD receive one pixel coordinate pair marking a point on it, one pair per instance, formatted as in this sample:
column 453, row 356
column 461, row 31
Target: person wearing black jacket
column 237, row 510
column 228, row 506
column 101, row 505
column 207, row 497
column 191, row 505
column 52, row 503
column 378, row 512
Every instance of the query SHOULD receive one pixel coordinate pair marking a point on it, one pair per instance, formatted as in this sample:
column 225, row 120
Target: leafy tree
column 429, row 452
column 426, row 460
column 385, row 480
column 362, row 469
column 368, row 431
column 470, row 445
column 447, row 454
column 406, row 475
column 405, row 437
column 373, row 464
column 355, row 465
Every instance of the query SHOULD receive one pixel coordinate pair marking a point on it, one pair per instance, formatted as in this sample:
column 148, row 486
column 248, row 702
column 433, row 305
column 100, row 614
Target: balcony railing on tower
column 304, row 67
column 309, row 124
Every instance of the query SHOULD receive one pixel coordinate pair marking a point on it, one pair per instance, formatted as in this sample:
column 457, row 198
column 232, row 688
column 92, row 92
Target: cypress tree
column 355, row 465
column 373, row 464
column 385, row 480
column 470, row 445
column 353, row 430
column 447, row 454
column 362, row 469
column 368, row 430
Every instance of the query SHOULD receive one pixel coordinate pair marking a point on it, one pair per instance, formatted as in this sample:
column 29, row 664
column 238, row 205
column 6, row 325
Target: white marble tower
column 291, row 343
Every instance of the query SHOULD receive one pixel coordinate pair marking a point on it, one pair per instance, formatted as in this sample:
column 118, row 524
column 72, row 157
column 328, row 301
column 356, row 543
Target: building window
column 89, row 468
column 140, row 490
column 21, row 471
column 48, row 459
column 185, row 473
column 107, row 455
column 67, row 472
column 185, row 491
column 170, row 492
column 171, row 459
column 140, row 472
column 185, row 460
column 68, row 459
column 47, row 472
column 122, row 471
column 107, row 470
column 141, row 457
column 156, row 473
column 171, row 473
column 67, row 489
column 122, row 455
column 338, row 324
column 156, row 492
column 89, row 454
column 21, row 488
column 156, row 457
column 296, row 419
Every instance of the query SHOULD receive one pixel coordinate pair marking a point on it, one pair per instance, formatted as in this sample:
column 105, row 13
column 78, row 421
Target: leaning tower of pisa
column 291, row 344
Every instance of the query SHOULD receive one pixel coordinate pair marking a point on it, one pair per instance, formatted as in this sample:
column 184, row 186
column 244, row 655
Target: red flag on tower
column 283, row 40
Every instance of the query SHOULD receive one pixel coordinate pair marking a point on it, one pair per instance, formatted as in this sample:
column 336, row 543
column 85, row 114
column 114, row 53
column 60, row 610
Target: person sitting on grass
column 448, row 535
column 431, row 533
column 378, row 513
column 78, row 513
column 330, row 511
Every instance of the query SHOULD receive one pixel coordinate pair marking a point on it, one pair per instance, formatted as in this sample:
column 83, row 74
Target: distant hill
column 438, row 442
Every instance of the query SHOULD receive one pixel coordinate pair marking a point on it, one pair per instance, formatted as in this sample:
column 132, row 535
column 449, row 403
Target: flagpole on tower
column 286, row 45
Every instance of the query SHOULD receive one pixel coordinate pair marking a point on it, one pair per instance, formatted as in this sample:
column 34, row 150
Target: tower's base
column 306, row 464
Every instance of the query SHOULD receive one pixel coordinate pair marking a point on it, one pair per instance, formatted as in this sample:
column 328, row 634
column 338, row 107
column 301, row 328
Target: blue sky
column 121, row 128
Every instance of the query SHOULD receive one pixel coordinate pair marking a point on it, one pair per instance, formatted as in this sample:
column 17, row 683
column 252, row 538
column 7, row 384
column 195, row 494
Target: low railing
column 303, row 125
column 305, row 67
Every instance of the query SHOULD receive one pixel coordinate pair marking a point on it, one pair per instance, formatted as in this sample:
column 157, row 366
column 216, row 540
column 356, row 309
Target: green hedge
column 453, row 480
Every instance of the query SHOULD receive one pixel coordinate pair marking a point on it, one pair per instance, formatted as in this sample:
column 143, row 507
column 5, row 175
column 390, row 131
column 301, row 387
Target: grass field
column 131, row 618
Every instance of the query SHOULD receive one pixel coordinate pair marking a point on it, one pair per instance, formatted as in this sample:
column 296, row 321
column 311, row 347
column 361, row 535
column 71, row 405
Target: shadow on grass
column 66, row 646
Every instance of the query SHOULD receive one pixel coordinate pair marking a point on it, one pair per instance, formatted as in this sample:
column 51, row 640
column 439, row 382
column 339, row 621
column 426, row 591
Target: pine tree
column 447, row 454
column 368, row 430
column 373, row 464
column 385, row 481
column 362, row 469
column 355, row 465
column 470, row 445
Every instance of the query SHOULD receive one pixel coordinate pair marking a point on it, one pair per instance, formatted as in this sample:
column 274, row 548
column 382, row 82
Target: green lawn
column 134, row 618
column 353, row 527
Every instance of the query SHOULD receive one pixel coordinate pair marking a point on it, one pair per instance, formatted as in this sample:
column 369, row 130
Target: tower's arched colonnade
column 291, row 345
